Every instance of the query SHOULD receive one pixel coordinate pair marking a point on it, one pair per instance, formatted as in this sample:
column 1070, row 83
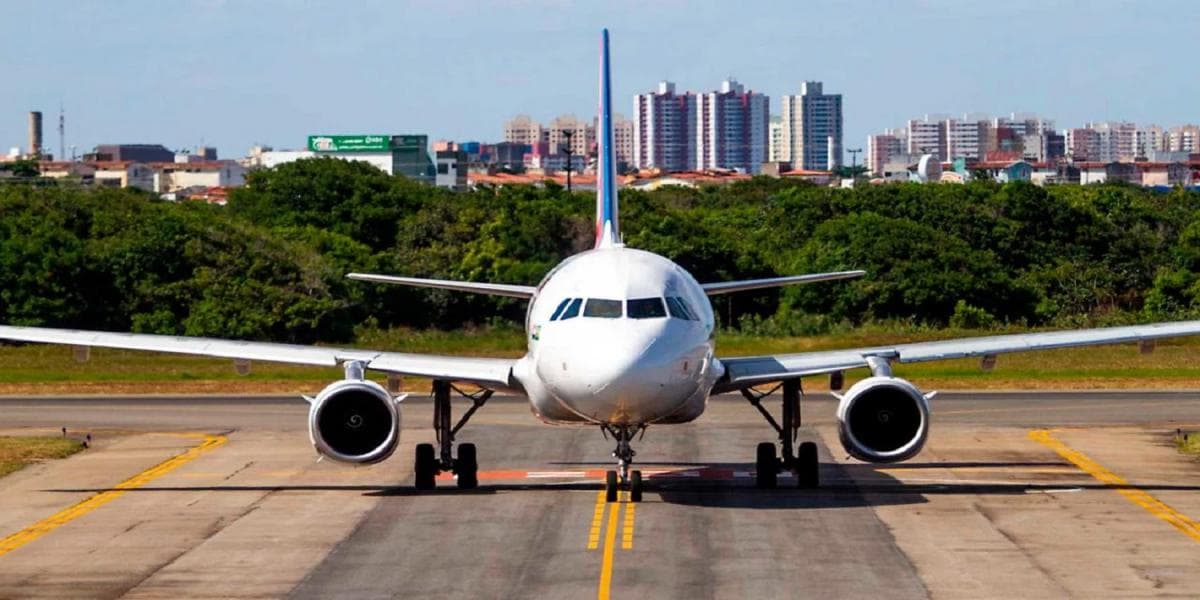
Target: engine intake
column 883, row 419
column 354, row 421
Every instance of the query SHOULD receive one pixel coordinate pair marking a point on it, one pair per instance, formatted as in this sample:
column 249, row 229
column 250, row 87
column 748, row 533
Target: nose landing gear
column 623, row 476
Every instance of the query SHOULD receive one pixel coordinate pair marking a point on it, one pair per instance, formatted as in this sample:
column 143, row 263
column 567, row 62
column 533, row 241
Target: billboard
column 349, row 143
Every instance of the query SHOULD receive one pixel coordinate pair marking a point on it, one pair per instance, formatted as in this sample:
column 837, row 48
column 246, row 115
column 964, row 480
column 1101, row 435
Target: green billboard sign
column 349, row 143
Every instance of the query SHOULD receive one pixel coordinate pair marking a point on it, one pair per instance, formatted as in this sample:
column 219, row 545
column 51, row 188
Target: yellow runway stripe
column 627, row 527
column 1137, row 496
column 606, row 565
column 69, row 514
column 597, row 523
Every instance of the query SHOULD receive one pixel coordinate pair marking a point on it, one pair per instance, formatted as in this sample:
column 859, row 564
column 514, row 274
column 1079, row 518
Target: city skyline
column 230, row 74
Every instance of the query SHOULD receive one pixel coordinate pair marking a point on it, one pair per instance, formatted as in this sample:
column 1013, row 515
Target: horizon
column 233, row 74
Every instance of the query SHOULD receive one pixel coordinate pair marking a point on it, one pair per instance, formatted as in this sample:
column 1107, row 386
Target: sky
column 231, row 74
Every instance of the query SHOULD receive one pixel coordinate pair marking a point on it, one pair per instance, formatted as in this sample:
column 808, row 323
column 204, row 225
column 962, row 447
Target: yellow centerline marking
column 627, row 527
column 610, row 538
column 1135, row 495
column 84, row 507
column 597, row 522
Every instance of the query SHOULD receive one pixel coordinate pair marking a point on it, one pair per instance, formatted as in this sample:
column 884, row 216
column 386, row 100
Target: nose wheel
column 624, row 476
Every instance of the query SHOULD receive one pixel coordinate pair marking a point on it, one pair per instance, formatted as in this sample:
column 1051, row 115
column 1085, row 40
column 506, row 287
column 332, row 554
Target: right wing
column 743, row 372
column 495, row 289
column 486, row 372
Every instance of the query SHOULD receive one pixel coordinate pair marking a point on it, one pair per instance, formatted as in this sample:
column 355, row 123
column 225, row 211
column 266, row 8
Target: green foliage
column 271, row 265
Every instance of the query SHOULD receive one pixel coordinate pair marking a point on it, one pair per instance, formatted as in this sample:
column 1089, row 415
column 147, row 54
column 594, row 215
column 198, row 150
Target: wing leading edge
column 741, row 372
column 487, row 372
column 494, row 289
column 725, row 287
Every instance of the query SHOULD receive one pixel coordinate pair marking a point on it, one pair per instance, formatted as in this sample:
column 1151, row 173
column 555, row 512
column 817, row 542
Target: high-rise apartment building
column 927, row 136
column 1184, row 138
column 881, row 148
column 581, row 135
column 1083, row 144
column 731, row 128
column 623, row 140
column 775, row 139
column 966, row 138
column 523, row 130
column 811, row 135
column 1116, row 141
column 1149, row 140
column 664, row 129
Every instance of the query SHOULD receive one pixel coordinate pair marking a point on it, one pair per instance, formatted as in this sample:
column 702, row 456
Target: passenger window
column 680, row 310
column 572, row 310
column 604, row 309
column 645, row 308
column 558, row 311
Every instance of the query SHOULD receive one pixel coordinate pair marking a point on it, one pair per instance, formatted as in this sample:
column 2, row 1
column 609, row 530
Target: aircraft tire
column 467, row 467
column 766, row 466
column 635, row 486
column 808, row 475
column 610, row 486
column 424, row 468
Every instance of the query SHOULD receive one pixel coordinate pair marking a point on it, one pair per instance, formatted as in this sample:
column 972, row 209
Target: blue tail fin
column 608, row 231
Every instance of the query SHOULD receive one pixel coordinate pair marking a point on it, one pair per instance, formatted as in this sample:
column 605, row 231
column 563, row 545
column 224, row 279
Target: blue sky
column 233, row 73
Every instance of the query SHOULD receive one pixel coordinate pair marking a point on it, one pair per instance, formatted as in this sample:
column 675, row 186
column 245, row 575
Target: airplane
column 619, row 339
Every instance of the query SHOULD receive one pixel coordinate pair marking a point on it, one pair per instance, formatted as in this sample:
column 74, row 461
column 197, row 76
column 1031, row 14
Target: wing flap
column 742, row 372
column 494, row 289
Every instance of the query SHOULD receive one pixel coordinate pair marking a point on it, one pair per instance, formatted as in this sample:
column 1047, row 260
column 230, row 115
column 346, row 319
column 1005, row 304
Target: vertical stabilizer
column 608, row 232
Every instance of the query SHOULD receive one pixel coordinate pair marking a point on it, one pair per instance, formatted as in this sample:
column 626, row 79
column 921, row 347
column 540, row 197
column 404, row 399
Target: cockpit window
column 558, row 311
column 604, row 309
column 680, row 309
column 645, row 308
column 572, row 310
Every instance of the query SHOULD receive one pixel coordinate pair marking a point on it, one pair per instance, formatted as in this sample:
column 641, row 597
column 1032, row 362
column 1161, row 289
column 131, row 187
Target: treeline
column 271, row 264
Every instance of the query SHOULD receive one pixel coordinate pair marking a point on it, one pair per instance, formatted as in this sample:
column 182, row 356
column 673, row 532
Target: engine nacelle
column 883, row 420
column 354, row 421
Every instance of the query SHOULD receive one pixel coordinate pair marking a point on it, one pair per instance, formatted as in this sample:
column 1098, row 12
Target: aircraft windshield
column 604, row 309
column 572, row 309
column 645, row 308
column 679, row 309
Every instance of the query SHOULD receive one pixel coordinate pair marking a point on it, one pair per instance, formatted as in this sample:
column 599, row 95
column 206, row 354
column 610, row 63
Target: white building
column 812, row 128
column 731, row 128
column 623, row 139
column 1117, row 141
column 775, row 139
column 172, row 177
column 966, row 138
column 1184, row 138
column 664, row 129
column 927, row 136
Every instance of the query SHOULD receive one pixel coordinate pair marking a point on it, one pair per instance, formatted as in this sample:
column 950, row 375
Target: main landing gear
column 623, row 476
column 466, row 466
column 803, row 461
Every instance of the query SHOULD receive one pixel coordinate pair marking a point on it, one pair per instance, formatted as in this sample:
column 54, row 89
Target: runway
column 1016, row 495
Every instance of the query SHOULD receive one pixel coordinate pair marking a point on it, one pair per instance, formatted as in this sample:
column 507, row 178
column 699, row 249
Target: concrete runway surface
column 223, row 497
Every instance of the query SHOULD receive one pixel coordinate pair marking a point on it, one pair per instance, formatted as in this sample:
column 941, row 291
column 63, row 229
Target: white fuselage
column 618, row 336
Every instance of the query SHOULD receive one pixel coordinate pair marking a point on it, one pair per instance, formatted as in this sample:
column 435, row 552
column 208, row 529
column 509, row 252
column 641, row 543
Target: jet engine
column 883, row 419
column 354, row 421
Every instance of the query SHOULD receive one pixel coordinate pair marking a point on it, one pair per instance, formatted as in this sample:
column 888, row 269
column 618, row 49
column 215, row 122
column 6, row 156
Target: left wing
column 742, row 372
column 725, row 287
column 487, row 372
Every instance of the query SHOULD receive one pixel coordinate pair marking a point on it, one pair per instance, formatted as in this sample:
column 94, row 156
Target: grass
column 50, row 369
column 17, row 452
column 1188, row 442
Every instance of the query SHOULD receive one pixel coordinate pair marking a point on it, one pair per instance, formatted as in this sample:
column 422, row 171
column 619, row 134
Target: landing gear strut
column 427, row 465
column 624, row 454
column 803, row 462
